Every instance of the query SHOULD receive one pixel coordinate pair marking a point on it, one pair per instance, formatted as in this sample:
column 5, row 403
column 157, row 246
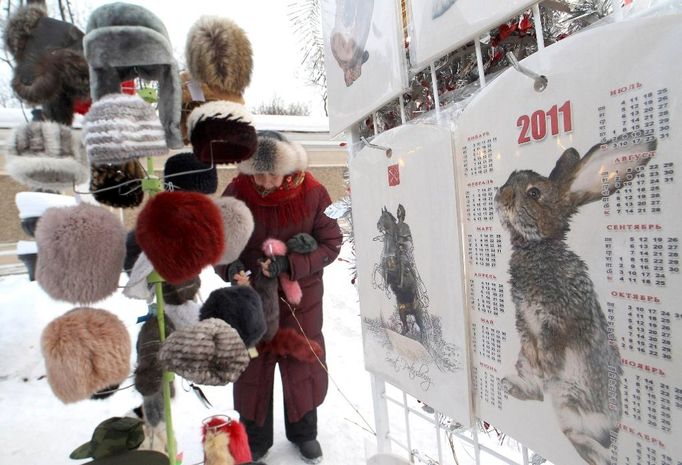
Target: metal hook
column 388, row 150
column 540, row 81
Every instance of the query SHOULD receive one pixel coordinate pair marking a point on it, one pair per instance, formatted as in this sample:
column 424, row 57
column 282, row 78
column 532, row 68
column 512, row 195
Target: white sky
column 277, row 68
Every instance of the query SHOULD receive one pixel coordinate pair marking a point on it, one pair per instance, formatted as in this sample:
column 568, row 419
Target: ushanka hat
column 237, row 225
column 85, row 351
column 46, row 155
column 50, row 69
column 275, row 155
column 219, row 57
column 241, row 308
column 81, row 253
column 149, row 373
column 122, row 127
column 181, row 233
column 124, row 41
column 118, row 185
column 198, row 177
column 210, row 352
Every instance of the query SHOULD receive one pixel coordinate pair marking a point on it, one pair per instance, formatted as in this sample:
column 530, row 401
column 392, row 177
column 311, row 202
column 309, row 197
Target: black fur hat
column 50, row 67
column 128, row 195
column 241, row 308
column 205, row 181
column 124, row 41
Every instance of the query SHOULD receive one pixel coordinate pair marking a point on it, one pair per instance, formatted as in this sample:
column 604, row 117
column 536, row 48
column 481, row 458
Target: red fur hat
column 234, row 437
column 181, row 233
column 290, row 342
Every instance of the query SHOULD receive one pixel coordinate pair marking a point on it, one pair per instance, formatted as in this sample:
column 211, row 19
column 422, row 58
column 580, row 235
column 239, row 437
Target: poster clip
column 388, row 150
column 540, row 81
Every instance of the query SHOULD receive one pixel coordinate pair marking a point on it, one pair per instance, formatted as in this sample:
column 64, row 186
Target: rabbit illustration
column 565, row 349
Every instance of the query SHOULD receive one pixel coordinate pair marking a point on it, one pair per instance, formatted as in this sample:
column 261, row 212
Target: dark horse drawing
column 398, row 271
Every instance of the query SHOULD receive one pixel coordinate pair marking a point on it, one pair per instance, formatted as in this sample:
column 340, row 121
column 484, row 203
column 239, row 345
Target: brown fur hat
column 218, row 53
column 149, row 374
column 85, row 350
column 108, row 188
column 82, row 249
column 237, row 226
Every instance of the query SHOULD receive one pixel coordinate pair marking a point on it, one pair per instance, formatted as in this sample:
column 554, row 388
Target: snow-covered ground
column 36, row 427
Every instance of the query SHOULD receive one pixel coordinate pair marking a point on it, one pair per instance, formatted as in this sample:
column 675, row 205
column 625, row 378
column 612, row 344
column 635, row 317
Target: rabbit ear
column 606, row 167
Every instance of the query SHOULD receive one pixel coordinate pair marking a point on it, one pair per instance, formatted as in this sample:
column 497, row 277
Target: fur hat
column 81, row 253
column 132, row 252
column 237, row 226
column 291, row 343
column 181, row 232
column 149, row 374
column 268, row 290
column 178, row 294
column 85, row 350
column 122, row 127
column 50, row 70
column 47, row 156
column 210, row 352
column 276, row 155
column 124, row 41
column 111, row 184
column 222, row 132
column 219, row 54
column 241, row 308
column 205, row 181
column 225, row 441
column 34, row 204
column 184, row 315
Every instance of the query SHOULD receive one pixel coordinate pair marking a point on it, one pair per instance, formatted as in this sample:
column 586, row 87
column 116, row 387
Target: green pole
column 152, row 186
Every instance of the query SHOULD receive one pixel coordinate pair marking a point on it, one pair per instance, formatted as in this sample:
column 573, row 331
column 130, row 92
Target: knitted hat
column 50, row 70
column 237, row 226
column 46, row 156
column 149, row 374
column 184, row 315
column 181, row 232
column 111, row 184
column 241, row 308
column 85, row 350
column 210, row 352
column 124, row 41
column 81, row 253
column 219, row 54
column 122, row 127
column 275, row 155
column 178, row 294
column 222, row 132
column 205, row 181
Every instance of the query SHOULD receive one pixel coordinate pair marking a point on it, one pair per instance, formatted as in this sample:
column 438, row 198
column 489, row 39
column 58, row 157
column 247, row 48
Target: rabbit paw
column 521, row 388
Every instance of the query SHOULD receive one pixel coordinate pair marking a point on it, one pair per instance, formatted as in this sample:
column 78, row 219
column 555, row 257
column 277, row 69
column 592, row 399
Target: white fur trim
column 219, row 108
column 68, row 171
column 290, row 157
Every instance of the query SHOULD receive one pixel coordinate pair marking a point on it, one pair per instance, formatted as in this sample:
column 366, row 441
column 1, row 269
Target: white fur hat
column 275, row 154
column 33, row 204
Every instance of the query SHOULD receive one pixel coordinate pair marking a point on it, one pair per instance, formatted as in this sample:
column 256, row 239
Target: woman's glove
column 302, row 243
column 278, row 264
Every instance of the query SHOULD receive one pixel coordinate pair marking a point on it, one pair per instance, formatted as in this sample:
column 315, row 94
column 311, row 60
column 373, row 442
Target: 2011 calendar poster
column 570, row 207
column 409, row 266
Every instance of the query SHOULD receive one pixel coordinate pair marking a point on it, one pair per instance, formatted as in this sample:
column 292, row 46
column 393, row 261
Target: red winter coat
column 304, row 384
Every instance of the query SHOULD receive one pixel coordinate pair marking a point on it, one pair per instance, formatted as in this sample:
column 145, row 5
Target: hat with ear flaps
column 219, row 59
column 85, row 351
column 124, row 41
column 275, row 155
column 50, row 70
column 46, row 155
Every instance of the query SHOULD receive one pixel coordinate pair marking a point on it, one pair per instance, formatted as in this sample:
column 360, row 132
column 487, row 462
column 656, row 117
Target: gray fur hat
column 210, row 352
column 149, row 374
column 237, row 226
column 82, row 249
column 46, row 155
column 122, row 127
column 124, row 41
column 275, row 154
column 219, row 54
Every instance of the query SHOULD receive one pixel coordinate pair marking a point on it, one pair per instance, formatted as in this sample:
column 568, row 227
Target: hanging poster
column 364, row 58
column 409, row 266
column 438, row 26
column 572, row 242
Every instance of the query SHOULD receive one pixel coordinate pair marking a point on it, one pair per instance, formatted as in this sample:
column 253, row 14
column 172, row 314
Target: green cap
column 112, row 436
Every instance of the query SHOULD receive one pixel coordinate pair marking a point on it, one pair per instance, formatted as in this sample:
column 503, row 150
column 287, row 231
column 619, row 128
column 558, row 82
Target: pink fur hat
column 82, row 249
column 85, row 351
